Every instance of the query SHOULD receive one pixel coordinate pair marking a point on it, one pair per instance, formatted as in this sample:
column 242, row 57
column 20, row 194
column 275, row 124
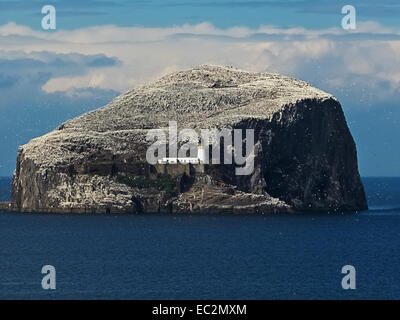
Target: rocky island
column 305, row 158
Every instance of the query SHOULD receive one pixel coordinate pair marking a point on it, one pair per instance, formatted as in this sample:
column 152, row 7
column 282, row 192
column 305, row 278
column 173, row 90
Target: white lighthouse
column 201, row 154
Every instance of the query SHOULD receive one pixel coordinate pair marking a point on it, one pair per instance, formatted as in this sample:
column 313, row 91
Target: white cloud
column 328, row 58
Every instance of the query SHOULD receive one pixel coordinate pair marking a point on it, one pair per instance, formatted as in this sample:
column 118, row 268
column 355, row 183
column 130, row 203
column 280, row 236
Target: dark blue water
column 206, row 257
column 5, row 189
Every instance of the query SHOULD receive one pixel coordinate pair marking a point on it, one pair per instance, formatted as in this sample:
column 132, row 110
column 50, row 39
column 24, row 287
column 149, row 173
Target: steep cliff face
column 305, row 157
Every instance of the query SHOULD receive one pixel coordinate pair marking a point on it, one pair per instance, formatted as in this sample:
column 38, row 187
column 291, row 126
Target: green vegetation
column 162, row 183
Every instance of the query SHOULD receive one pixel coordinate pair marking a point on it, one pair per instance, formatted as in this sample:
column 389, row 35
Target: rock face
column 305, row 157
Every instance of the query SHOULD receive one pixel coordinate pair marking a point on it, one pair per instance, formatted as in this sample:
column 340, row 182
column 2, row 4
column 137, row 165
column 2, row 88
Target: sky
column 102, row 48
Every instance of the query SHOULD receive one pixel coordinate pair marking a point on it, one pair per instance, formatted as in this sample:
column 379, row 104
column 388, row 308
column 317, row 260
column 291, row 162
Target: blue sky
column 104, row 47
column 74, row 14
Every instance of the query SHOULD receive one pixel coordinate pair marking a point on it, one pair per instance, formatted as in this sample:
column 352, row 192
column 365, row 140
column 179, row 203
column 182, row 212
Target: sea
column 297, row 256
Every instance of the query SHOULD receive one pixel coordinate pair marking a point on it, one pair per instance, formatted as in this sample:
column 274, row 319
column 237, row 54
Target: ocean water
column 205, row 257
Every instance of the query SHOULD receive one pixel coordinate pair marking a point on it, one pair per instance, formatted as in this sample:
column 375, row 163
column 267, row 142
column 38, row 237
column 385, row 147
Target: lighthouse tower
column 201, row 154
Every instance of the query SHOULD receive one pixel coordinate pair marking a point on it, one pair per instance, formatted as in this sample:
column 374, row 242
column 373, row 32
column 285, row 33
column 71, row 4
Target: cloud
column 32, row 71
column 363, row 64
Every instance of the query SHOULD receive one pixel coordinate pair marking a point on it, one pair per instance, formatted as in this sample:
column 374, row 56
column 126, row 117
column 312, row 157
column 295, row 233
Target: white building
column 201, row 157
